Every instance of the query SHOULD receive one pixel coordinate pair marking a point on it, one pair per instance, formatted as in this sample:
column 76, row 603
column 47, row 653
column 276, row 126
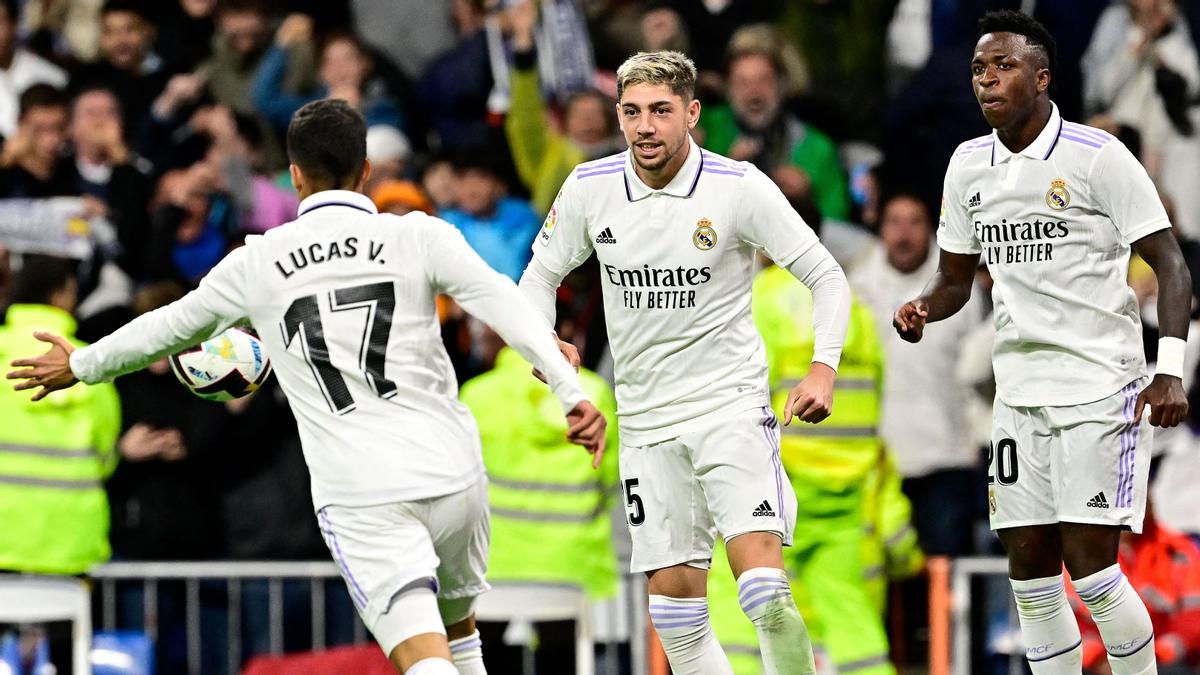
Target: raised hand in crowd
column 295, row 29
column 182, row 90
column 521, row 20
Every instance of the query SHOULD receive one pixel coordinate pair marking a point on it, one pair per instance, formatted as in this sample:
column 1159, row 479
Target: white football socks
column 1048, row 627
column 766, row 598
column 1122, row 620
column 468, row 655
column 687, row 638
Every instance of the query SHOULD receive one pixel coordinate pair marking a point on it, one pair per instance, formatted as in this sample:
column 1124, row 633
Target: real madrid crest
column 705, row 237
column 1057, row 196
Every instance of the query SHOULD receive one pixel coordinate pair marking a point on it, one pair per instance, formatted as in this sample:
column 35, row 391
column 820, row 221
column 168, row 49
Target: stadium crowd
column 152, row 132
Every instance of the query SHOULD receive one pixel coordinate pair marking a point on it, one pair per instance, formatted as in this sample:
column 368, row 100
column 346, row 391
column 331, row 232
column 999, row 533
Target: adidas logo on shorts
column 764, row 509
column 606, row 236
column 1098, row 502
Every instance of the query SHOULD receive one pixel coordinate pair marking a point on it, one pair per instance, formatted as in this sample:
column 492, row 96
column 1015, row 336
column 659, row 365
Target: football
column 225, row 367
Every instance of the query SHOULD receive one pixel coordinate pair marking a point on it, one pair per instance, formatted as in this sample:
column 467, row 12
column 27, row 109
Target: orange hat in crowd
column 401, row 195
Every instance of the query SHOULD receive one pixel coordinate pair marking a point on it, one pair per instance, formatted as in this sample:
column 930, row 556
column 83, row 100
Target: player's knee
column 1033, row 552
column 754, row 549
column 456, row 613
column 1087, row 549
column 766, row 596
column 678, row 581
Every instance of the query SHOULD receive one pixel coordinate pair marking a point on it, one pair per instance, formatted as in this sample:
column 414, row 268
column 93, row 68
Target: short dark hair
column 40, row 277
column 327, row 139
column 897, row 194
column 1018, row 23
column 127, row 6
column 95, row 88
column 258, row 7
column 41, row 95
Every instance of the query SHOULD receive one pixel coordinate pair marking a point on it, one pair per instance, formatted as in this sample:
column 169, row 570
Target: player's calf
column 1048, row 628
column 1122, row 620
column 766, row 598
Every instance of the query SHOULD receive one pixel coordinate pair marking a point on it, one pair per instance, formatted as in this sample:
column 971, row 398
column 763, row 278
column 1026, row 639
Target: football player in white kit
column 1054, row 208
column 676, row 230
column 343, row 300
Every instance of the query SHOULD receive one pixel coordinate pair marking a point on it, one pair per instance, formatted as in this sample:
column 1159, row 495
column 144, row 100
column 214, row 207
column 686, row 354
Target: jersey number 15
column 303, row 319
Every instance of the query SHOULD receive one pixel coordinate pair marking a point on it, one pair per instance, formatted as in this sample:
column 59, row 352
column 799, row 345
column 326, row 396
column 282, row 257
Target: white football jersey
column 1054, row 224
column 343, row 299
column 676, row 266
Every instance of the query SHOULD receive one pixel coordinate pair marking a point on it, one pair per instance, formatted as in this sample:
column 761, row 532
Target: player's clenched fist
column 909, row 320
column 586, row 426
column 812, row 399
column 1167, row 400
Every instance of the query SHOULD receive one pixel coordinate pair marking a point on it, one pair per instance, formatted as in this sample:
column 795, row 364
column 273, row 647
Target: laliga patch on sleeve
column 548, row 225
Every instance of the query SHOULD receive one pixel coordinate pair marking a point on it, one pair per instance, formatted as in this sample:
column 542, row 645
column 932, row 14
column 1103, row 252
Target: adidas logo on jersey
column 974, row 201
column 606, row 236
column 764, row 509
column 1098, row 502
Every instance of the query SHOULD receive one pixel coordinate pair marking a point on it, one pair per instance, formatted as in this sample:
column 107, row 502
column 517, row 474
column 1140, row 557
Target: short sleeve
column 1124, row 192
column 767, row 221
column 563, row 244
column 955, row 233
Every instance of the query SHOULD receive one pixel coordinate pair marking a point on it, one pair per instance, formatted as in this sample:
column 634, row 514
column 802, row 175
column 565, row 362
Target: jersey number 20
column 303, row 319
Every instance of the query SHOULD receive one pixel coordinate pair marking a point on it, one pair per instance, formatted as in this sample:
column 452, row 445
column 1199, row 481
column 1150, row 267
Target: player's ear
column 1043, row 79
column 693, row 113
column 366, row 173
column 297, row 177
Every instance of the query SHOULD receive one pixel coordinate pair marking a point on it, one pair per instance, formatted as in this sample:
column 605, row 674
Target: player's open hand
column 812, row 399
column 909, row 320
column 50, row 371
column 1167, row 400
column 569, row 352
column 586, row 426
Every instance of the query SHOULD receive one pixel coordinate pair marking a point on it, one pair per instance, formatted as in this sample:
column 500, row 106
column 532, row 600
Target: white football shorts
column 1078, row 464
column 725, row 477
column 440, row 542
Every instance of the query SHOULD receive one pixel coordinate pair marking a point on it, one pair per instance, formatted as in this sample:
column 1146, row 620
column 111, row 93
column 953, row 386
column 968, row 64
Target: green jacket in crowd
column 54, row 457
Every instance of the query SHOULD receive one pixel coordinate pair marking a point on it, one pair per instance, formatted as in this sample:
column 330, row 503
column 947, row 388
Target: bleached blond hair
column 671, row 68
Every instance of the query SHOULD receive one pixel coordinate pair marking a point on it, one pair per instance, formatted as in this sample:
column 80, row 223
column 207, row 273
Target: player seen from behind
column 343, row 300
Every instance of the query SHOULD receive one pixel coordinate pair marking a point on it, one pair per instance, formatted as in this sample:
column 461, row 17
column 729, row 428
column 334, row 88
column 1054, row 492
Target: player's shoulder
column 980, row 146
column 605, row 166
column 1085, row 140
column 724, row 168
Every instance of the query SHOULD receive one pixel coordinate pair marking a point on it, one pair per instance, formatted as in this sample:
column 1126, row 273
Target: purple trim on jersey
column 324, row 204
column 770, row 424
column 601, row 163
column 361, row 598
column 717, row 160
column 739, row 174
column 1082, row 140
column 601, row 172
column 696, row 179
column 1085, row 130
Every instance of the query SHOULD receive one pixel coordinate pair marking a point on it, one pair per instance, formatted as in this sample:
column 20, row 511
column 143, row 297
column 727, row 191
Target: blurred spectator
column 31, row 162
column 755, row 127
column 399, row 197
column 162, row 507
column 545, row 155
column 1164, row 567
column 438, row 181
column 344, row 72
column 185, row 34
column 456, row 85
column 55, row 454
column 191, row 226
column 712, row 23
column 541, row 489
column 843, row 44
column 19, row 69
column 237, row 152
column 128, row 64
column 241, row 42
column 500, row 228
column 72, row 27
column 937, row 456
column 389, row 151
column 1142, row 70
column 427, row 28
column 106, row 169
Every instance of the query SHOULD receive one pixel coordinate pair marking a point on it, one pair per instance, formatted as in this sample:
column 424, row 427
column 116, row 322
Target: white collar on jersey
column 682, row 185
column 1040, row 148
column 340, row 198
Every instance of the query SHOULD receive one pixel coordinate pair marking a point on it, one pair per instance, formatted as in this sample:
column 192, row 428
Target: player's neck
column 660, row 178
column 1022, row 134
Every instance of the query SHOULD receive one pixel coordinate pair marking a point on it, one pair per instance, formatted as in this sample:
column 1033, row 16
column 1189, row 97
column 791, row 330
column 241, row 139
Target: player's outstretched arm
column 1165, row 395
column 944, row 295
column 50, row 371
